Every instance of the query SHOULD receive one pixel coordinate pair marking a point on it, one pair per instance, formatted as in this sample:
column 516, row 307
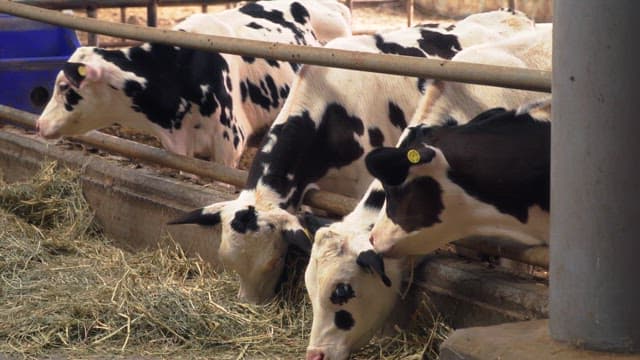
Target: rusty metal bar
column 152, row 13
column 516, row 78
column 512, row 4
column 92, row 38
column 83, row 4
column 410, row 7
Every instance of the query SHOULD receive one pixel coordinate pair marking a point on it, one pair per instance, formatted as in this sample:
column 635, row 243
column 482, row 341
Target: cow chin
column 333, row 352
column 259, row 288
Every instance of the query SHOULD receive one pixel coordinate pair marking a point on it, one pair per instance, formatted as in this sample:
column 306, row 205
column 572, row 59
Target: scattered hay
column 66, row 291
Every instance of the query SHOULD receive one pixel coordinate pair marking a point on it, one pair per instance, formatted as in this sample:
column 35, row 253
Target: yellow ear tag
column 414, row 156
column 82, row 70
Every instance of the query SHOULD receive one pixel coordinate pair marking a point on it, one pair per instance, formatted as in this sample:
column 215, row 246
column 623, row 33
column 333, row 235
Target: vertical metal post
column 595, row 182
column 92, row 38
column 205, row 7
column 123, row 17
column 409, row 4
column 512, row 4
column 152, row 13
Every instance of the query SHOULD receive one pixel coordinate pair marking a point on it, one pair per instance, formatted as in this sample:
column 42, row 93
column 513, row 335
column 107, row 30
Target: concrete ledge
column 527, row 340
column 132, row 205
column 470, row 293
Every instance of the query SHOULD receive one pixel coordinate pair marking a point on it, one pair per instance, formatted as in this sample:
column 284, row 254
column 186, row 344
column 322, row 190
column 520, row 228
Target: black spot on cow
column 395, row 48
column 422, row 85
column 299, row 13
column 273, row 63
column 265, row 95
column 343, row 320
column 225, row 135
column 438, row 44
column 255, row 25
column 390, row 166
column 450, row 27
column 342, row 294
column 375, row 200
column 284, row 91
column 307, row 152
column 236, row 141
column 173, row 75
column 245, row 220
column 502, row 159
column 248, row 59
column 429, row 25
column 243, row 91
column 376, row 138
column 294, row 66
column 71, row 99
column 450, row 121
column 416, row 204
column 257, row 11
column 198, row 217
column 396, row 116
column 197, row 126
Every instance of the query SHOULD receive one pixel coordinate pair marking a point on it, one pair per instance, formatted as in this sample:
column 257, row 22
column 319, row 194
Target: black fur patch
column 438, row 44
column 257, row 11
column 254, row 25
column 375, row 199
column 173, row 75
column 396, row 115
column 299, row 13
column 342, row 294
column 395, row 48
column 71, row 99
column 245, row 220
column 376, row 138
column 344, row 320
column 197, row 217
column 417, row 204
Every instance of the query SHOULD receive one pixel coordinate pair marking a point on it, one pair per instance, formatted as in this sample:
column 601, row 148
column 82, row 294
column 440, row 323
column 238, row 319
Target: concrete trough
column 133, row 204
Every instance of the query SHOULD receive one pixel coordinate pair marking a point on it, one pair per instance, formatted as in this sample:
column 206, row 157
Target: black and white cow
column 489, row 177
column 329, row 271
column 332, row 118
column 197, row 103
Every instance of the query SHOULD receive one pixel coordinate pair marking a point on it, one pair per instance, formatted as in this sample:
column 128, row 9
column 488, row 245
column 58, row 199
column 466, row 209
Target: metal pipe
column 516, row 78
column 512, row 4
column 331, row 202
column 152, row 13
column 83, row 4
column 595, row 232
column 410, row 7
column 92, row 38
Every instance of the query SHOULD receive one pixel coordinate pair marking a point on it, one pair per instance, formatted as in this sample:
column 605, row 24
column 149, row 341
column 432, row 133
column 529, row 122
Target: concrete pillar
column 595, row 181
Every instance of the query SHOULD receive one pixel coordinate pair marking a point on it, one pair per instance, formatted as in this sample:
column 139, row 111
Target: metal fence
column 516, row 78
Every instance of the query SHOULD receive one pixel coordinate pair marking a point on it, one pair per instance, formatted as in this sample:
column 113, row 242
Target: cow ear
column 299, row 238
column 389, row 165
column 80, row 74
column 313, row 222
column 206, row 216
column 372, row 261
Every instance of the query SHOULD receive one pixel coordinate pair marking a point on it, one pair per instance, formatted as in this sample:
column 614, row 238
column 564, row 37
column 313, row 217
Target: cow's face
column 412, row 178
column 351, row 295
column 87, row 95
column 253, row 243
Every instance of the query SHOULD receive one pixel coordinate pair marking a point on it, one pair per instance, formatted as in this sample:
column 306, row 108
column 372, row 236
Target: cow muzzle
column 45, row 132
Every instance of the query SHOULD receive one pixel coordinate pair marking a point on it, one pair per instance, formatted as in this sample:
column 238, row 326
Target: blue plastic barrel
column 31, row 55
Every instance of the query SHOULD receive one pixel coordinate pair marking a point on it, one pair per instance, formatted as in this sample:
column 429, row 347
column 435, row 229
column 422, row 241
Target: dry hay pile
column 67, row 292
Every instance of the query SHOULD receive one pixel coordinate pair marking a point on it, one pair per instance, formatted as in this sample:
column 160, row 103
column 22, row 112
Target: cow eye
column 63, row 86
column 341, row 294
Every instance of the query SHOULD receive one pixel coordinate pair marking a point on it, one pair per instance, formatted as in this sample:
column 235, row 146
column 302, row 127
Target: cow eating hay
column 68, row 292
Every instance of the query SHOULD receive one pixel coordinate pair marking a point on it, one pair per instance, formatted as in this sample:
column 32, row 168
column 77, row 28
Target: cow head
column 352, row 292
column 83, row 96
column 412, row 179
column 254, row 243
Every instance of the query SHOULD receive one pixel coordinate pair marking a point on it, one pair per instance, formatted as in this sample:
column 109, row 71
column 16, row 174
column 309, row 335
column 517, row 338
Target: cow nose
column 315, row 355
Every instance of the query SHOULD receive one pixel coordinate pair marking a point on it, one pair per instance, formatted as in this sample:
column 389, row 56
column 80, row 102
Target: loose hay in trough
column 67, row 292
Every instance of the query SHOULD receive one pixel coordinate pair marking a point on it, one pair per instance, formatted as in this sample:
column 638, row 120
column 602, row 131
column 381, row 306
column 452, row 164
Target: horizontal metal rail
column 516, row 78
column 83, row 4
column 333, row 203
